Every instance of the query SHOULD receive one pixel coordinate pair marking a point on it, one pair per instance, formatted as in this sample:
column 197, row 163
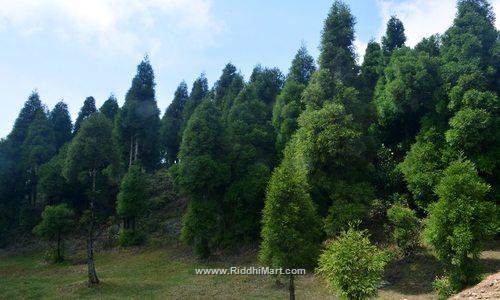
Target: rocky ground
column 489, row 288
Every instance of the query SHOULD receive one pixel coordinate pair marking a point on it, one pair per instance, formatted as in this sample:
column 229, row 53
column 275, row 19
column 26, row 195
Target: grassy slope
column 169, row 273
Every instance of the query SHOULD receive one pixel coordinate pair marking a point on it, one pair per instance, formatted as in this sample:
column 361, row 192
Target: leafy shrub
column 129, row 237
column 404, row 226
column 461, row 222
column 352, row 266
column 443, row 287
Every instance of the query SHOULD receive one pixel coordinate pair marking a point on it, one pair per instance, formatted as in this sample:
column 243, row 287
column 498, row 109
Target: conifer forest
column 366, row 173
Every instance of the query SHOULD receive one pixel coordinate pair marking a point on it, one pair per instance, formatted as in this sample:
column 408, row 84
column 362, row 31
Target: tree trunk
column 131, row 151
column 291, row 288
column 58, row 255
column 90, row 242
column 136, row 149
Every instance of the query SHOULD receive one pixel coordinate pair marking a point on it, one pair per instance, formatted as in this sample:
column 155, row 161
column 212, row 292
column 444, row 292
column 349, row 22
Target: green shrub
column 443, row 287
column 352, row 266
column 404, row 227
column 129, row 237
column 461, row 222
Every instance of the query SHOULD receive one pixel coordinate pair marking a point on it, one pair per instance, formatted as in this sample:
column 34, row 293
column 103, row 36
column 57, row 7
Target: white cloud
column 113, row 26
column 422, row 18
column 360, row 48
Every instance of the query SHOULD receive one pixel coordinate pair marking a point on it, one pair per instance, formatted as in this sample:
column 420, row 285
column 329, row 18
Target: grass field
column 148, row 273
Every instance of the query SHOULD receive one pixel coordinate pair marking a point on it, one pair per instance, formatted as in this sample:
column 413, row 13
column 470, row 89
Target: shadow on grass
column 111, row 288
column 413, row 275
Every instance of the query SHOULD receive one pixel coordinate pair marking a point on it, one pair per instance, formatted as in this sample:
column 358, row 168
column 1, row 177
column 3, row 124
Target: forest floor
column 169, row 273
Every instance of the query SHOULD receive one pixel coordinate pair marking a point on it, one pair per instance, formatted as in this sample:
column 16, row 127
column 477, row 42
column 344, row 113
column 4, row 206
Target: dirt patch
column 486, row 289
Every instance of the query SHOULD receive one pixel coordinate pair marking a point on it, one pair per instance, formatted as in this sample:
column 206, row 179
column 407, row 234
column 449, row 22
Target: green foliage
column 288, row 104
column 404, row 227
column 352, row 266
column 405, row 95
column 394, row 37
column 444, row 287
column 137, row 124
column 198, row 92
column 423, row 166
column 290, row 226
column 86, row 111
column 61, row 124
column 131, row 237
column 228, row 86
column 57, row 221
column 201, row 176
column 371, row 69
column 302, row 66
column 110, row 108
column 461, row 221
column 131, row 200
column 337, row 49
column 170, row 131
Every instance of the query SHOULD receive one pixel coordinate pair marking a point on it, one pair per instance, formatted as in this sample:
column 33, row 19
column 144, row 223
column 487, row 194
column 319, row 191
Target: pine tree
column 302, row 66
column 227, row 88
column 198, row 92
column 371, row 69
column 37, row 148
column 61, row 124
column 290, row 226
column 202, row 175
column 91, row 156
column 288, row 104
column 170, row 131
column 86, row 111
column 252, row 153
column 110, row 108
column 394, row 38
column 337, row 49
column 138, row 122
column 131, row 204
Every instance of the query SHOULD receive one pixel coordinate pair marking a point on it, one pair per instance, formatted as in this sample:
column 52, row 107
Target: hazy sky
column 70, row 49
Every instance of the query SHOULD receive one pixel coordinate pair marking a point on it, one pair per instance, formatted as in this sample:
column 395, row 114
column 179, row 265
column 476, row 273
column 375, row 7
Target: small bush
column 352, row 266
column 404, row 227
column 128, row 237
column 443, row 287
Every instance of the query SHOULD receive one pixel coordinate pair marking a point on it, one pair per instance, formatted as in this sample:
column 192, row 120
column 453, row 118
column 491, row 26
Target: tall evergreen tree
column 337, row 49
column 170, row 131
column 288, row 104
column 371, row 69
column 198, row 92
column 91, row 157
column 202, row 175
column 138, row 122
column 86, row 111
column 61, row 124
column 110, row 108
column 290, row 226
column 37, row 148
column 227, row 87
column 394, row 38
column 252, row 154
column 302, row 67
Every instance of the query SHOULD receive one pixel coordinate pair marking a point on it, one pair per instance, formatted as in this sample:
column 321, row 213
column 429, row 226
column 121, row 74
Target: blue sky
column 70, row 49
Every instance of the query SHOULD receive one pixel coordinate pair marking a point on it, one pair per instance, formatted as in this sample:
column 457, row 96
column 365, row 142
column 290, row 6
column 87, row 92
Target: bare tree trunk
column 291, row 288
column 58, row 255
column 90, row 242
column 136, row 149
column 131, row 151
